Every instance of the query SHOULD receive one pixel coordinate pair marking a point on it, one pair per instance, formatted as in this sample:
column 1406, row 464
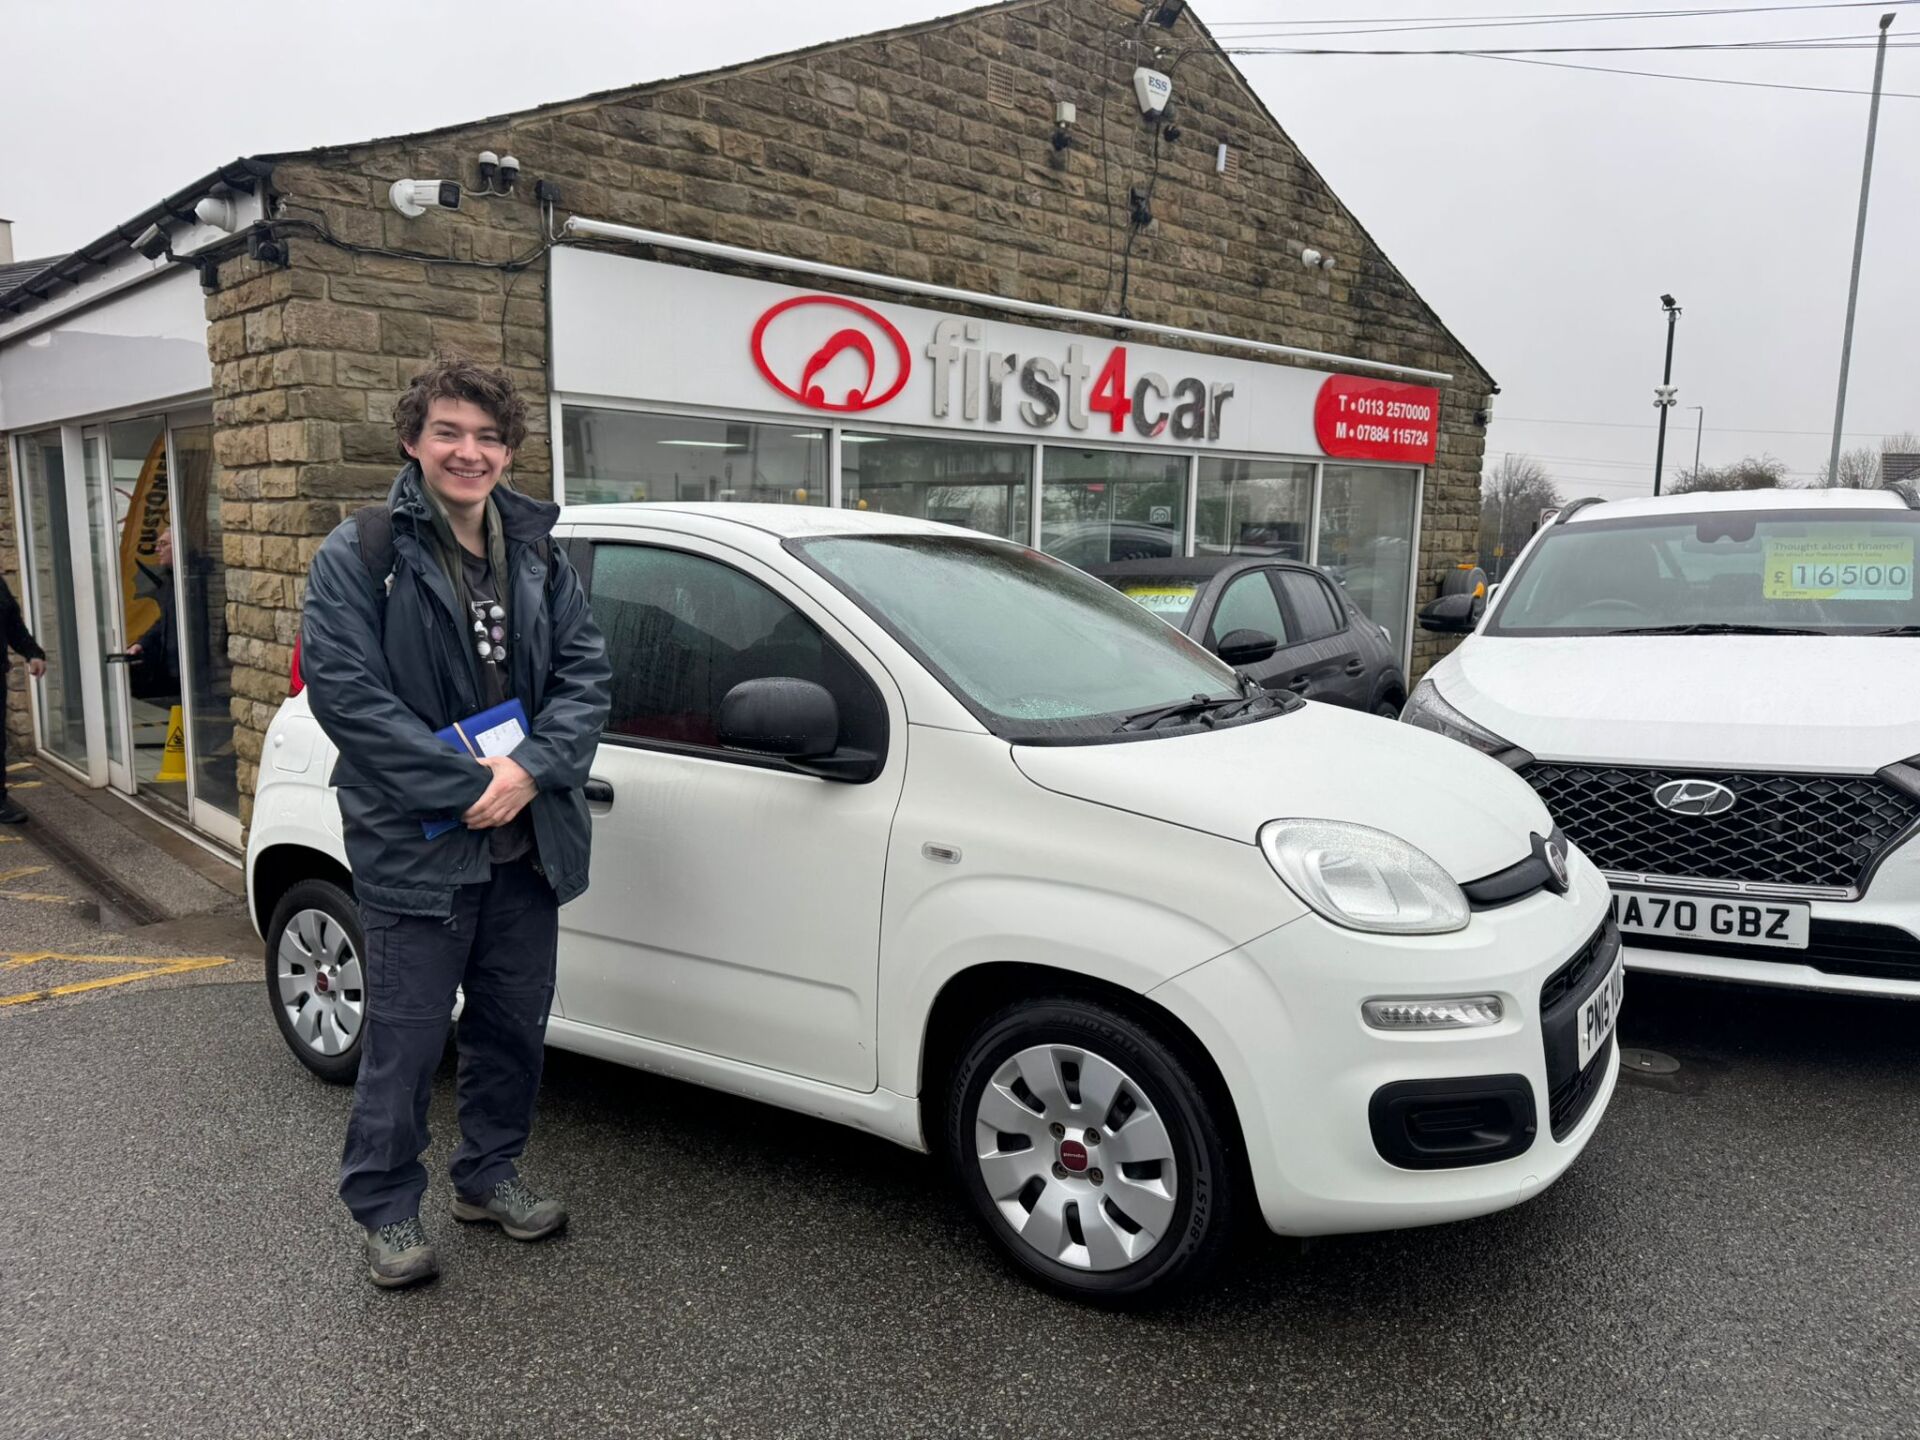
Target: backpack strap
column 373, row 527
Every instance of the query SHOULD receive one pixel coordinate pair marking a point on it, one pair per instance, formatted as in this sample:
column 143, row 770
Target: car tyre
column 316, row 978
column 1126, row 1188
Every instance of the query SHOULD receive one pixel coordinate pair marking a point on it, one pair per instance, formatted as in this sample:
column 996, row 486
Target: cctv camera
column 415, row 197
column 1153, row 90
column 509, row 171
column 1667, row 301
column 152, row 242
column 1310, row 257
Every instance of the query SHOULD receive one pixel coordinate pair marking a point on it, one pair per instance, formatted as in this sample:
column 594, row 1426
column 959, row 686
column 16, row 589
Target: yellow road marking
column 35, row 895
column 28, row 785
column 7, row 876
column 9, row 839
column 157, row 966
column 20, row 765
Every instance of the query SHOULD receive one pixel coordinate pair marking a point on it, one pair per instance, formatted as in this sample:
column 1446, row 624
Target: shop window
column 617, row 455
column 683, row 630
column 1249, row 604
column 1367, row 539
column 51, row 612
column 1254, row 507
column 1102, row 505
column 982, row 487
column 199, row 552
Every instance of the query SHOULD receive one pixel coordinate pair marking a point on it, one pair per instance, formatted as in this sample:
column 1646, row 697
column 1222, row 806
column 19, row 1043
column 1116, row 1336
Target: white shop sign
column 640, row 330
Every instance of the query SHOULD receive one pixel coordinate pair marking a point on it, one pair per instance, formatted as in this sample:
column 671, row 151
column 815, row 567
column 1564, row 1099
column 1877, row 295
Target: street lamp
column 1859, row 243
column 1665, row 391
column 1700, row 424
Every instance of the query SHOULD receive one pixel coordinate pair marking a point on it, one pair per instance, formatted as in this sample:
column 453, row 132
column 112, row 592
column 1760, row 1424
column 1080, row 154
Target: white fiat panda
column 933, row 835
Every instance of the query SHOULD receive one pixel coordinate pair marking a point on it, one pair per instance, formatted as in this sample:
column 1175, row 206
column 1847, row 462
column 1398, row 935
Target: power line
column 1562, row 17
column 1721, row 429
column 1785, row 44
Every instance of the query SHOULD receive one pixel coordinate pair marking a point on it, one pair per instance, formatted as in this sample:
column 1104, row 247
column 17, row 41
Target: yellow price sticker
column 1162, row 599
column 1861, row 567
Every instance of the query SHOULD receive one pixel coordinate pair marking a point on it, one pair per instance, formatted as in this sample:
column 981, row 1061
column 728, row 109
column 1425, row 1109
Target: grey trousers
column 499, row 944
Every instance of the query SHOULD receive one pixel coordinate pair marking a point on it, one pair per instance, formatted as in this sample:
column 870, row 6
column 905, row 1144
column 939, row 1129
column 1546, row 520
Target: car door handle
column 1356, row 667
column 598, row 792
column 1298, row 682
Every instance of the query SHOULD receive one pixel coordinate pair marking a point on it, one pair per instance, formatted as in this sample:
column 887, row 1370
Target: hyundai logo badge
column 1694, row 797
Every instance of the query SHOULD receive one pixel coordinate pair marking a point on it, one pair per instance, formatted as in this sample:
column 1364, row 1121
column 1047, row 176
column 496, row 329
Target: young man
column 445, row 602
column 14, row 635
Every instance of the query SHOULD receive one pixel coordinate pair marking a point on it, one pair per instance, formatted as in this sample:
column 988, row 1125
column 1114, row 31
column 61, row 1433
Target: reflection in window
column 1254, row 507
column 615, row 455
column 1102, row 505
column 956, row 482
column 43, row 483
column 682, row 631
column 199, row 552
column 1366, row 539
column 1249, row 604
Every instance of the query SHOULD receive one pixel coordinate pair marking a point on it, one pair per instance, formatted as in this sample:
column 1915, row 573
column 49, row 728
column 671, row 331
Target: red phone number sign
column 1358, row 419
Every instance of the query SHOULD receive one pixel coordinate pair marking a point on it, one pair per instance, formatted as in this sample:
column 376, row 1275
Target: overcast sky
column 1541, row 211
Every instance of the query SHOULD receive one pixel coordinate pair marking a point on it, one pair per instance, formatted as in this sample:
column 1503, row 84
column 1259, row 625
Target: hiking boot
column 515, row 1209
column 398, row 1255
column 11, row 814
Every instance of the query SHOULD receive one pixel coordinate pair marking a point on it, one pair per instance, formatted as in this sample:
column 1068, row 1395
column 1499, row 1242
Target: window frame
column 583, row 550
column 1343, row 616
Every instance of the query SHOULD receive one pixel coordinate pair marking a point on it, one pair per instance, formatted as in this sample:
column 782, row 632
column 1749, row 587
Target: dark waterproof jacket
column 381, row 684
column 14, row 634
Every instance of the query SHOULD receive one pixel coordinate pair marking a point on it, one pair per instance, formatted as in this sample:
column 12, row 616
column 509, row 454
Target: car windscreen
column 1037, row 650
column 1842, row 572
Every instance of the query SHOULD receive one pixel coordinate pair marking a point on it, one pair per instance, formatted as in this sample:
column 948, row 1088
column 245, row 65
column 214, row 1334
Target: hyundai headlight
column 1364, row 879
column 1426, row 709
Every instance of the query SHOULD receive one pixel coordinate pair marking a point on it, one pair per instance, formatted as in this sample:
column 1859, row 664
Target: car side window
column 683, row 630
column 1249, row 604
column 1315, row 611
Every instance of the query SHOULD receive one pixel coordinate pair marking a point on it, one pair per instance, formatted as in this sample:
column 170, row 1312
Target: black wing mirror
column 1246, row 647
column 796, row 721
column 1452, row 614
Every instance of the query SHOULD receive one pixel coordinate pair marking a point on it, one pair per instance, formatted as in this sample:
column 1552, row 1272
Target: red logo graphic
column 1073, row 1155
column 797, row 357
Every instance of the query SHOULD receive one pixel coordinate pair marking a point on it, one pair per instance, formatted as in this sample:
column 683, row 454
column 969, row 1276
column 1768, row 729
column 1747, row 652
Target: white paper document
column 500, row 740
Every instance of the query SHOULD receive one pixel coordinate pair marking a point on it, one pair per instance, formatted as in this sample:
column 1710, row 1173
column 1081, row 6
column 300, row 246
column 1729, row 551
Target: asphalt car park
column 1736, row 1254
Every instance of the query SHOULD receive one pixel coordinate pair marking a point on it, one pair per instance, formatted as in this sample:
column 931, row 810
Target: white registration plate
column 1601, row 1013
column 1782, row 924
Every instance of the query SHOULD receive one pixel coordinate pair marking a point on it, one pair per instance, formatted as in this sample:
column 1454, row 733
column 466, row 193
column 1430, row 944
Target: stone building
column 235, row 388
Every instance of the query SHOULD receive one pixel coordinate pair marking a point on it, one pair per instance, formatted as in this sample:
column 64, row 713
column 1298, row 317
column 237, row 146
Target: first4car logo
column 831, row 353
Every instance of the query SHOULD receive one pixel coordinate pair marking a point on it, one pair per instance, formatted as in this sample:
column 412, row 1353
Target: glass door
column 59, row 699
column 104, row 513
column 140, row 564
column 198, row 557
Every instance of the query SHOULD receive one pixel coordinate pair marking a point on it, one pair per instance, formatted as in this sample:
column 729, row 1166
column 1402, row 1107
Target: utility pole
column 1699, row 425
column 1664, row 392
column 1859, row 241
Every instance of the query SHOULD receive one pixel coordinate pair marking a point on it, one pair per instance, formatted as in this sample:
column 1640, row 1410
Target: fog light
column 1467, row 1012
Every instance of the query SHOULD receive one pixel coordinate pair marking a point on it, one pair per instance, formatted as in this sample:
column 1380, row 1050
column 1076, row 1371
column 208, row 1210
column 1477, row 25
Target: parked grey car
column 1283, row 623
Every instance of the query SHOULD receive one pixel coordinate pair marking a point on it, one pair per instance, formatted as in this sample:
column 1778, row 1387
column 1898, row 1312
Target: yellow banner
column 140, row 538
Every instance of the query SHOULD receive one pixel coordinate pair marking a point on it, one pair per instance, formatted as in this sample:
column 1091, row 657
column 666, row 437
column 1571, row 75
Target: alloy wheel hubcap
column 1075, row 1157
column 321, row 981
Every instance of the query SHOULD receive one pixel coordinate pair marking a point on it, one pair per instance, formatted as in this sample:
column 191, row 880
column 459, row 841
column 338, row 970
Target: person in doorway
column 445, row 601
column 156, row 654
column 14, row 635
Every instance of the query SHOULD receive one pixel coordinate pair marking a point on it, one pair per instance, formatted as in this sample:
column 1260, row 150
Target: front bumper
column 1282, row 1018
column 1869, row 946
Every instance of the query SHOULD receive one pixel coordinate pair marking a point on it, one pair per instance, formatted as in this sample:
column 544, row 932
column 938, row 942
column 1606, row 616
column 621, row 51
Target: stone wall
column 925, row 154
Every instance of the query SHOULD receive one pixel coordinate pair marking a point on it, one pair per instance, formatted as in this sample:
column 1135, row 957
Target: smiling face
column 462, row 453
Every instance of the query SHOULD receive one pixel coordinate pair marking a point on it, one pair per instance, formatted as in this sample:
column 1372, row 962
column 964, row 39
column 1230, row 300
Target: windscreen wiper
column 1891, row 630
column 1198, row 705
column 1716, row 627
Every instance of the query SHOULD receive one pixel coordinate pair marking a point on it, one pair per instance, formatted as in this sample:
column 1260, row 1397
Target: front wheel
column 1095, row 1158
column 316, row 978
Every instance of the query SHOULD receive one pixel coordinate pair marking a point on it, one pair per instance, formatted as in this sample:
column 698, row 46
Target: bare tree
column 1753, row 473
column 1511, row 499
column 1860, row 468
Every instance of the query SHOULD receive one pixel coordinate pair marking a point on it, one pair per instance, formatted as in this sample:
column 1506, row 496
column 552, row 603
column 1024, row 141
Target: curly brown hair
column 453, row 378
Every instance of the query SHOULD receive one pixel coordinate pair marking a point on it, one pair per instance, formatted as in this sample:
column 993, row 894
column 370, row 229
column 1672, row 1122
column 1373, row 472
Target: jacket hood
column 525, row 519
column 1714, row 702
column 1470, row 813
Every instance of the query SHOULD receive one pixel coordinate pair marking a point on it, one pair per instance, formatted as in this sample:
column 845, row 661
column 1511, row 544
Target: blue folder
column 460, row 736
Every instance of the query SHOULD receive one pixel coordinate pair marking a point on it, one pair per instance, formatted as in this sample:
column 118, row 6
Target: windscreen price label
column 1357, row 419
column 1862, row 568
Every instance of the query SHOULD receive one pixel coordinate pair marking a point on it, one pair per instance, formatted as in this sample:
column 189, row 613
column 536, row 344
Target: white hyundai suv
column 935, row 836
column 1718, row 697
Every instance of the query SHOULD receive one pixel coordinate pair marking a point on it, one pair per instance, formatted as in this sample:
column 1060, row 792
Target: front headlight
column 1426, row 709
column 1364, row 879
